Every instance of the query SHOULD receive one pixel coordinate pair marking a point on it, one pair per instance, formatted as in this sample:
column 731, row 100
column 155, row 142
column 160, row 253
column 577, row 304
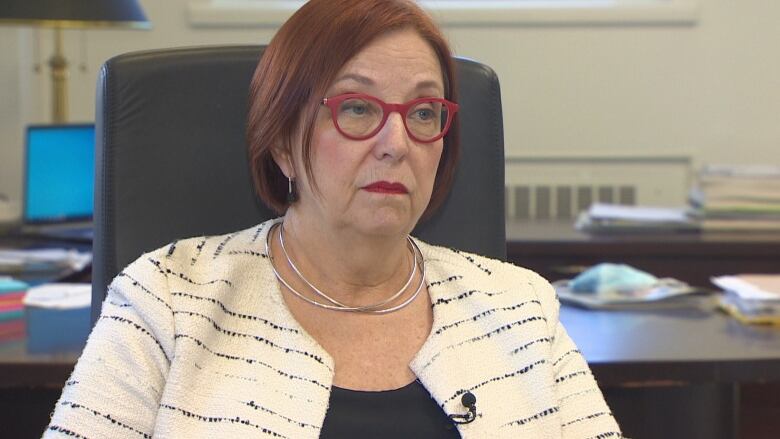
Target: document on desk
column 607, row 218
column 751, row 298
column 644, row 214
column 59, row 296
column 55, row 259
column 751, row 286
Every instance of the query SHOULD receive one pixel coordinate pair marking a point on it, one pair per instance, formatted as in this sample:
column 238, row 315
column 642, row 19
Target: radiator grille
column 561, row 186
column 544, row 202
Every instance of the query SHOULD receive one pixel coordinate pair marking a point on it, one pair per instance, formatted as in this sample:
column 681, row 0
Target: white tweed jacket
column 195, row 341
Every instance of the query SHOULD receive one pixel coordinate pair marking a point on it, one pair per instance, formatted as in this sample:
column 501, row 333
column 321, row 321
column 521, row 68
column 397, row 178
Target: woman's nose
column 393, row 140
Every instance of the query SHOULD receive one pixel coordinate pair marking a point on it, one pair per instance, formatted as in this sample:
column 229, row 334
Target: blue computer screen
column 59, row 178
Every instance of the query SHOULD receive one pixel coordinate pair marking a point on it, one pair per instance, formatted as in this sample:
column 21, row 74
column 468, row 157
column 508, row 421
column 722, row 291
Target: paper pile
column 610, row 218
column 738, row 197
column 59, row 296
column 751, row 298
column 43, row 263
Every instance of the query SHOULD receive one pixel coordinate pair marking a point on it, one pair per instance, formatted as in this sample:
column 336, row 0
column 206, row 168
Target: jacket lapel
column 476, row 324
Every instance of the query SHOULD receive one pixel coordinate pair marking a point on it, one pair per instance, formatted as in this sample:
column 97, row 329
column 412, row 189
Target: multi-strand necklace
column 376, row 308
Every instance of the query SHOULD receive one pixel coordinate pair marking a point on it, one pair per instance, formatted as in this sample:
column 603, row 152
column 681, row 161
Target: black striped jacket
column 195, row 341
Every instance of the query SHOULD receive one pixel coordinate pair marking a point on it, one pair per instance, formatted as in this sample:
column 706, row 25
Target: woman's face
column 381, row 185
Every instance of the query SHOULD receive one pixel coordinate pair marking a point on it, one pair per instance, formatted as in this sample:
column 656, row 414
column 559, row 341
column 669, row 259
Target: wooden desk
column 21, row 369
column 687, row 345
column 29, row 387
column 669, row 373
column 31, row 383
column 556, row 251
column 682, row 373
column 673, row 346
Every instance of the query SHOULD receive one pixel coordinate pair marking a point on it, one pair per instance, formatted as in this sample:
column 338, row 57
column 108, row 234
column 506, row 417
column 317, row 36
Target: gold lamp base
column 59, row 80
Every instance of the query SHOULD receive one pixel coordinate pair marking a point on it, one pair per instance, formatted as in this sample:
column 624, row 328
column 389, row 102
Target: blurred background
column 631, row 94
column 632, row 103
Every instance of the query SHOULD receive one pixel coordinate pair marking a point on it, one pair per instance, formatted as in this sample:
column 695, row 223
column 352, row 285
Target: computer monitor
column 59, row 174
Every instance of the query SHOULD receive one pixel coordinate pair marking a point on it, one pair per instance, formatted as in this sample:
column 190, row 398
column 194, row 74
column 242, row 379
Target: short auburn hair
column 299, row 65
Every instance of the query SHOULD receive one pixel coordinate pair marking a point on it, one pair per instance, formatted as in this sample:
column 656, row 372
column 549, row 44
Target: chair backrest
column 171, row 159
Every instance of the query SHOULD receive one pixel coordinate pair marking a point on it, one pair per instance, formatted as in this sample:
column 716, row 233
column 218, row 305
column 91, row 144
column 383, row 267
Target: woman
column 330, row 321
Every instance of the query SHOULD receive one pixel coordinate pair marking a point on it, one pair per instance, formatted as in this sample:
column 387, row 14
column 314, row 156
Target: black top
column 408, row 412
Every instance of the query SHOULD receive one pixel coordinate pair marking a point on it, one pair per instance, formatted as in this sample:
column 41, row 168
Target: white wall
column 709, row 90
column 9, row 121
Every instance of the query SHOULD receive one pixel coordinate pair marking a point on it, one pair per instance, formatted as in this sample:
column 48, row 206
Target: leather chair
column 171, row 159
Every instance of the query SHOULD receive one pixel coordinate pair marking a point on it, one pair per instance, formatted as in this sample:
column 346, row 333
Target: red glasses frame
column 334, row 102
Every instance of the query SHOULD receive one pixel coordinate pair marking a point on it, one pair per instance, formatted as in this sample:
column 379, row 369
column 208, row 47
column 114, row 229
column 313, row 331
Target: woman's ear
column 283, row 160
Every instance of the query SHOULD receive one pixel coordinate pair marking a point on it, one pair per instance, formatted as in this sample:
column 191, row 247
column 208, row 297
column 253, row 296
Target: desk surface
column 18, row 368
column 563, row 231
column 21, row 369
column 557, row 251
column 673, row 346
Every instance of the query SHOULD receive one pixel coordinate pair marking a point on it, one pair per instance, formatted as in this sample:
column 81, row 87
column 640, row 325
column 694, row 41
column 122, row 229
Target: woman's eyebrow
column 428, row 84
column 355, row 77
column 365, row 80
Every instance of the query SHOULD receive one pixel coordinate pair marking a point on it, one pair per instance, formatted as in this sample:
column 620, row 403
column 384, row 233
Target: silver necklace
column 334, row 301
column 338, row 306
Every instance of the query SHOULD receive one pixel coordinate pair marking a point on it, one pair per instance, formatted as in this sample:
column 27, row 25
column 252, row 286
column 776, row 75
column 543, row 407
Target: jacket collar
column 448, row 364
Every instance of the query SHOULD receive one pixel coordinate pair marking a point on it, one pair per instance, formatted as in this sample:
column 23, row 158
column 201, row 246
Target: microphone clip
column 469, row 401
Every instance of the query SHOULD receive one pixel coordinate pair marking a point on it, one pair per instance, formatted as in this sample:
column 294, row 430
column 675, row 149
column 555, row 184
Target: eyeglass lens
column 360, row 117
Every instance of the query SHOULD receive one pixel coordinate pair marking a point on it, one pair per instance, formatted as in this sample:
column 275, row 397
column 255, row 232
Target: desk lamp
column 71, row 14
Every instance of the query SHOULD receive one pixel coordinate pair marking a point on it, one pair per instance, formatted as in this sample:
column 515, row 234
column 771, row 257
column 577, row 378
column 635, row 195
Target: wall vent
column 560, row 187
column 546, row 202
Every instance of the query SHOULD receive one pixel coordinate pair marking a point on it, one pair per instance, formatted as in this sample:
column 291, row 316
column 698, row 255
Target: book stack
column 603, row 218
column 47, row 263
column 751, row 298
column 738, row 198
column 12, row 323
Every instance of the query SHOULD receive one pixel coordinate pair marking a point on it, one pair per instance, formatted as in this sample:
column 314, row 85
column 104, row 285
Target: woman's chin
column 387, row 222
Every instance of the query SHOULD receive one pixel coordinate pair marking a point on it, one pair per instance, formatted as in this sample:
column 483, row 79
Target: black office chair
column 171, row 158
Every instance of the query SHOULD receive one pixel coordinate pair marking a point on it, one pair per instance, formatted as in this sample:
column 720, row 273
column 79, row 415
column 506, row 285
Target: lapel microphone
column 470, row 402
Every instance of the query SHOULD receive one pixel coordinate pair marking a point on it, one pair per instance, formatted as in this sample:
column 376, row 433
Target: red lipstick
column 385, row 187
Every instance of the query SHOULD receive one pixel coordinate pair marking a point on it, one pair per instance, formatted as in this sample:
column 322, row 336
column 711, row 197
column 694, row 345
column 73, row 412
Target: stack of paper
column 738, row 197
column 42, row 263
column 609, row 218
column 60, row 296
column 12, row 293
column 751, row 298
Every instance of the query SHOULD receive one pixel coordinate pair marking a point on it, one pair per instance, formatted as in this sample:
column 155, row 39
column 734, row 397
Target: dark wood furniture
column 29, row 387
column 18, row 368
column 30, row 384
column 682, row 373
column 555, row 250
column 688, row 372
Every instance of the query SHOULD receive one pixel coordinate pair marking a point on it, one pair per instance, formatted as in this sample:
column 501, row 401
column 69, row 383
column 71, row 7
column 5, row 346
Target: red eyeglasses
column 359, row 116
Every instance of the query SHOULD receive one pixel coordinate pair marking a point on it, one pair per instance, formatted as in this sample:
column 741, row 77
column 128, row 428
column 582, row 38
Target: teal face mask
column 608, row 278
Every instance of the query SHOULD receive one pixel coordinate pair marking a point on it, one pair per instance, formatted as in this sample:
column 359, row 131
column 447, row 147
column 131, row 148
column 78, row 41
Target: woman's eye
column 355, row 108
column 423, row 114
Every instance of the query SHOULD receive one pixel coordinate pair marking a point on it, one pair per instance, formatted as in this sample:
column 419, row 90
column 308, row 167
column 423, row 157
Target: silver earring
column 292, row 193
